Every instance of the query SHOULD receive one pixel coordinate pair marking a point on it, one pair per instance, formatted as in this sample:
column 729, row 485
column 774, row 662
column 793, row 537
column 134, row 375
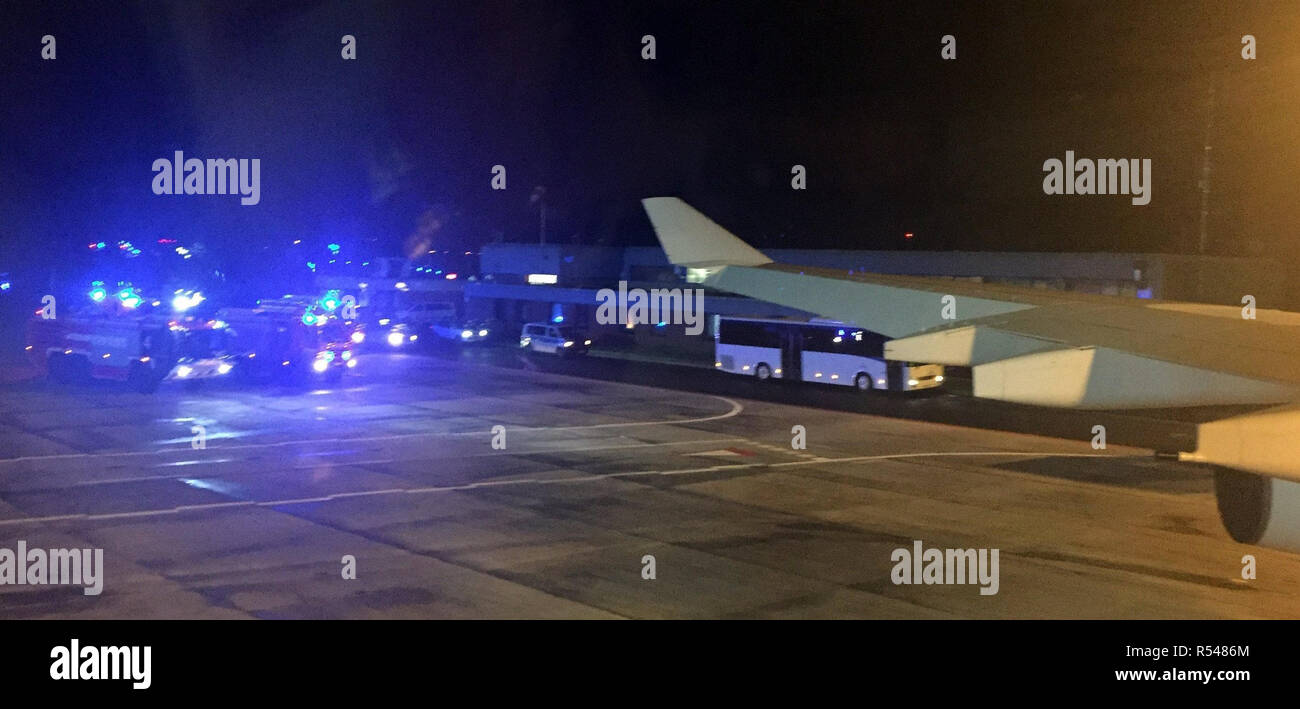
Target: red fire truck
column 124, row 337
column 290, row 338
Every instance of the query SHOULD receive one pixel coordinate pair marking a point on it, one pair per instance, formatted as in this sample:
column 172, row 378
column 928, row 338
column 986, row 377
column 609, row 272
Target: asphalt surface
column 397, row 469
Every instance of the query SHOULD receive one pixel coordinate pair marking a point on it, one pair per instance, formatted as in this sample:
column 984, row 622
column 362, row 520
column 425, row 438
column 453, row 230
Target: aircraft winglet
column 692, row 239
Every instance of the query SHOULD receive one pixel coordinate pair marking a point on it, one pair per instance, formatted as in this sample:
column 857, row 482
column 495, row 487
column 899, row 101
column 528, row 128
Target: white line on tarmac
column 318, row 466
column 523, row 481
column 736, row 408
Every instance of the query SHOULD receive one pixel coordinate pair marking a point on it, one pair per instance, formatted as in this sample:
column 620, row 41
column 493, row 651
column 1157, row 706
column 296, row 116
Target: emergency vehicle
column 123, row 336
column 294, row 337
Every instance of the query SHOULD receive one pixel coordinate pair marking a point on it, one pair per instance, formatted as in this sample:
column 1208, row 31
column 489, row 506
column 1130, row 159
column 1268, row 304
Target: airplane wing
column 1049, row 348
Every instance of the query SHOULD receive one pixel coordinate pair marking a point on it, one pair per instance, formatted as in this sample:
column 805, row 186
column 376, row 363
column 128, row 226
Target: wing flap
column 1102, row 378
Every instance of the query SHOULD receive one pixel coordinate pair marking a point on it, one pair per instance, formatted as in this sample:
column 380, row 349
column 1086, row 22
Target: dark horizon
column 894, row 138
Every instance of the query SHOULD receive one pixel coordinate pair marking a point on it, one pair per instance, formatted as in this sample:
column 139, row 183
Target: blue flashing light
column 334, row 248
column 661, row 323
column 184, row 300
column 558, row 318
column 101, row 245
column 1144, row 293
column 5, row 285
column 129, row 297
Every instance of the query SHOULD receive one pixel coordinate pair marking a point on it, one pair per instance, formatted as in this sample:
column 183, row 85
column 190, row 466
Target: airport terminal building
column 520, row 283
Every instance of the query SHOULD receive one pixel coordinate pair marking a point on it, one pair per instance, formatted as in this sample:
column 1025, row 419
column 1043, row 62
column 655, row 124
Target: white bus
column 815, row 351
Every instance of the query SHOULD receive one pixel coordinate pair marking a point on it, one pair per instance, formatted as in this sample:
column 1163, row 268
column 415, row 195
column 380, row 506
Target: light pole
column 539, row 198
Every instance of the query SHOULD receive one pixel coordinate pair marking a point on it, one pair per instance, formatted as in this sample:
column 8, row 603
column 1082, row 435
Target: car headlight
column 224, row 368
column 358, row 337
column 320, row 365
column 939, row 378
column 183, row 371
column 568, row 343
column 912, row 382
column 351, row 363
column 396, row 339
column 482, row 333
column 466, row 334
column 587, row 342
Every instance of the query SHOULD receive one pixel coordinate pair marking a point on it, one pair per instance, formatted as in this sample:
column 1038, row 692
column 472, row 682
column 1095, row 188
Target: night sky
column 894, row 138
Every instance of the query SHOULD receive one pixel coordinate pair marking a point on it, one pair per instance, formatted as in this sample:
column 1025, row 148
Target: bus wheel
column 762, row 371
column 862, row 381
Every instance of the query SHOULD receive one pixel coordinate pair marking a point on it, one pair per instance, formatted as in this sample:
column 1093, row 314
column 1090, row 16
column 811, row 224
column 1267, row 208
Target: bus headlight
column 912, row 382
column 319, row 366
column 351, row 363
column 358, row 337
column 396, row 339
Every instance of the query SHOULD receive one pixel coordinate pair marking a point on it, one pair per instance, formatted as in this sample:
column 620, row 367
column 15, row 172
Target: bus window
column 748, row 334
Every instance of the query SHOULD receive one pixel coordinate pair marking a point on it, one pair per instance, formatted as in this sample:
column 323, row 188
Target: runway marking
column 525, row 481
column 318, row 466
column 735, row 409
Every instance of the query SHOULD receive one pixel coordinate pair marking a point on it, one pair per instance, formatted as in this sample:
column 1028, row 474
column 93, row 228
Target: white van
column 555, row 339
column 421, row 315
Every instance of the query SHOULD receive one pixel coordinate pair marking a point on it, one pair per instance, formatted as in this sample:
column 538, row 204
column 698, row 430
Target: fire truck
column 123, row 336
column 294, row 338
